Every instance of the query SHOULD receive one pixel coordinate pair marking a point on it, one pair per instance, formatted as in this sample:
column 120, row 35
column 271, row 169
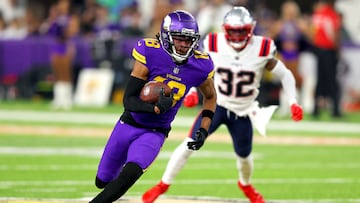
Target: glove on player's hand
column 164, row 103
column 191, row 99
column 200, row 135
column 296, row 112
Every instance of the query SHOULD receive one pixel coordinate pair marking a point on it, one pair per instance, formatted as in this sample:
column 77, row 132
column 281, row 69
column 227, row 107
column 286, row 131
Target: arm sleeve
column 287, row 81
column 131, row 97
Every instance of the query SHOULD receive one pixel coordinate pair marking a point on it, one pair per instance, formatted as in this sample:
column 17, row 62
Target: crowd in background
column 103, row 21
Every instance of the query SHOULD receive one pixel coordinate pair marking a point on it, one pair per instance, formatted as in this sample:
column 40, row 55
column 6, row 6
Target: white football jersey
column 238, row 74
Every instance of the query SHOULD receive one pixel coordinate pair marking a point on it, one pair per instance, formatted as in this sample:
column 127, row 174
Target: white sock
column 62, row 95
column 57, row 91
column 307, row 68
column 245, row 167
column 177, row 162
column 68, row 95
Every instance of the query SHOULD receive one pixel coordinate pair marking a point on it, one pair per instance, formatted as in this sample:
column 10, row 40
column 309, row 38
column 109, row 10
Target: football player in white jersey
column 240, row 59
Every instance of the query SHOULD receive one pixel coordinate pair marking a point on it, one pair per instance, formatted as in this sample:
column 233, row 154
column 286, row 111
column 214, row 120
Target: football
column 151, row 91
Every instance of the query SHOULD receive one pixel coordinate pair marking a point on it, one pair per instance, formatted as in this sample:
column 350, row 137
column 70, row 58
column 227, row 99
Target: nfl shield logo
column 176, row 70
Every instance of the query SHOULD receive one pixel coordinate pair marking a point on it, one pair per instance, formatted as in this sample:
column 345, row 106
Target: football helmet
column 180, row 25
column 238, row 26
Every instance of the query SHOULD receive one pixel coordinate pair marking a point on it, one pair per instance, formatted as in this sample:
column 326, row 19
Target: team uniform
column 154, row 127
column 238, row 74
column 237, row 79
column 238, row 71
column 140, row 132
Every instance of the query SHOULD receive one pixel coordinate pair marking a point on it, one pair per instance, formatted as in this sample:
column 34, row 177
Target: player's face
column 182, row 43
column 238, row 35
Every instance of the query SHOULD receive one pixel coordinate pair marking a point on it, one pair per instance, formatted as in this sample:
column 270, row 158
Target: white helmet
column 238, row 27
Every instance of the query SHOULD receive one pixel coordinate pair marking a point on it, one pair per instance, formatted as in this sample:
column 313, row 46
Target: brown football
column 151, row 91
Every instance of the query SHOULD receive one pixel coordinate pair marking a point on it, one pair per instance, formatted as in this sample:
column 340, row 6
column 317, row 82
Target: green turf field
column 47, row 165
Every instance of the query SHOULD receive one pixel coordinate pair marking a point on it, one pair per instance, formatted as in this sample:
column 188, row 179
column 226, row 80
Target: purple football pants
column 128, row 144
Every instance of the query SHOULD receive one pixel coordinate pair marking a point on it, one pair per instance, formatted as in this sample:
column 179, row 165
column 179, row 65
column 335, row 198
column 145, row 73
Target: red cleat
column 251, row 193
column 153, row 193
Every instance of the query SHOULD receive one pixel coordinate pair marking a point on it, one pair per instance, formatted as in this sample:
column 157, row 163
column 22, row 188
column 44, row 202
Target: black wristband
column 207, row 113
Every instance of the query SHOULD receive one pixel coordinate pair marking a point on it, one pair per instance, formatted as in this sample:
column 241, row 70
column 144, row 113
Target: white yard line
column 180, row 121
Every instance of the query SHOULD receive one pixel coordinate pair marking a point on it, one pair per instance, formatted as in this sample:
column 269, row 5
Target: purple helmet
column 179, row 23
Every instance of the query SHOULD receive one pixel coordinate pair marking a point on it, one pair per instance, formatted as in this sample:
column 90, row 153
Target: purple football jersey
column 180, row 78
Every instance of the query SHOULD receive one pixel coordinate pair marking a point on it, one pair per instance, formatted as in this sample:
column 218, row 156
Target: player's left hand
column 296, row 112
column 200, row 135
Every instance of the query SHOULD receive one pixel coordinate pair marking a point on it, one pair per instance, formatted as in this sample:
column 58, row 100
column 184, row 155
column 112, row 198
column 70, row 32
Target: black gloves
column 164, row 102
column 200, row 135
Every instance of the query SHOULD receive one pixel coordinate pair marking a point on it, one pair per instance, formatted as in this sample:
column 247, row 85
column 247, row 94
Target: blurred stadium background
column 50, row 154
column 108, row 29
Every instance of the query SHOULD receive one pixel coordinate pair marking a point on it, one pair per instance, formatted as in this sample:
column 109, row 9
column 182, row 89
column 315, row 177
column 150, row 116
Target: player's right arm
column 138, row 78
column 136, row 82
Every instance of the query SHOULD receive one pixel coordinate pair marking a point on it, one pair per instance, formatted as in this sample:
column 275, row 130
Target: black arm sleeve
column 131, row 97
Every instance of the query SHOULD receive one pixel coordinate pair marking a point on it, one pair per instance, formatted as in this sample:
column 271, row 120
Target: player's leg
column 178, row 159
column 141, row 152
column 61, row 62
column 113, row 157
column 176, row 163
column 242, row 134
column 58, row 89
column 333, row 83
column 307, row 67
column 130, row 173
column 181, row 154
column 66, row 75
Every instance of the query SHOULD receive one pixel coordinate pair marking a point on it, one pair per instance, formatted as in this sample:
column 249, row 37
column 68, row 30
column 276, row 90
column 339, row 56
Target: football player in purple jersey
column 240, row 58
column 140, row 132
